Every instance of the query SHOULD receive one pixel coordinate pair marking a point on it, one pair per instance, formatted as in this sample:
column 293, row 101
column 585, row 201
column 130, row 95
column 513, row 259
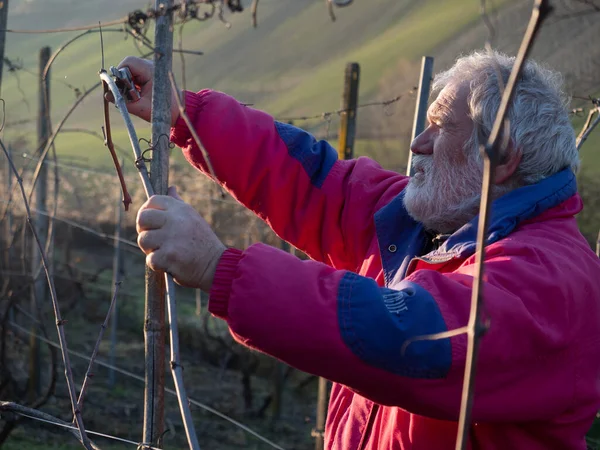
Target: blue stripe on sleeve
column 317, row 158
column 375, row 322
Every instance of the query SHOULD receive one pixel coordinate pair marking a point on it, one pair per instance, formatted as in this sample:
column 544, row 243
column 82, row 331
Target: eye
column 434, row 122
column 437, row 124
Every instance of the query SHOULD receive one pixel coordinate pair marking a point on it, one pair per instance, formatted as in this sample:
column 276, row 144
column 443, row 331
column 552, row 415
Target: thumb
column 172, row 192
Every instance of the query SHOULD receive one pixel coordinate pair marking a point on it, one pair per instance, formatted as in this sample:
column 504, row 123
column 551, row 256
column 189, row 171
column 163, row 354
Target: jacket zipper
column 367, row 432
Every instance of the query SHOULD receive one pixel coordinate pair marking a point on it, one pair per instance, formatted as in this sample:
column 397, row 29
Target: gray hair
column 538, row 116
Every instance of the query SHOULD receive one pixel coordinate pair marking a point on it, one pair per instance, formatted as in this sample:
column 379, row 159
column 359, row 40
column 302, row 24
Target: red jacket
column 376, row 280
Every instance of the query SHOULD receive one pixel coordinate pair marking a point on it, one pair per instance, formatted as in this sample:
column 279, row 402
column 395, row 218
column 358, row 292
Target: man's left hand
column 177, row 240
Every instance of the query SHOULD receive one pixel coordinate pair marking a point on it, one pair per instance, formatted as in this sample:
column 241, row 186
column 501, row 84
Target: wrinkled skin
column 444, row 193
column 177, row 239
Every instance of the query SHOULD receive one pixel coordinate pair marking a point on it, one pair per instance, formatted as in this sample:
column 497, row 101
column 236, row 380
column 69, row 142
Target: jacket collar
column 507, row 213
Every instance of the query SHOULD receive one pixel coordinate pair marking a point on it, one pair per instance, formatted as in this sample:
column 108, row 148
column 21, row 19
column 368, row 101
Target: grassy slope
column 292, row 64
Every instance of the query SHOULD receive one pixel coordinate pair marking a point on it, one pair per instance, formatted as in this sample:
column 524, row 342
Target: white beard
column 442, row 195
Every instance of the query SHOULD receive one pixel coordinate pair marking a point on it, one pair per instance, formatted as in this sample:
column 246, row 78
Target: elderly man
column 392, row 259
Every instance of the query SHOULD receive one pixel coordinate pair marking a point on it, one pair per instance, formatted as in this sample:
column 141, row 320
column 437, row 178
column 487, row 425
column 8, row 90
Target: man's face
column 444, row 192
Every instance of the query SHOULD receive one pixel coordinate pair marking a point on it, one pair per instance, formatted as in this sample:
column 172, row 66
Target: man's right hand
column 142, row 72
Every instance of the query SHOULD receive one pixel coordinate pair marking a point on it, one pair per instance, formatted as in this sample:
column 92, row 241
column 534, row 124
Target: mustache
column 422, row 162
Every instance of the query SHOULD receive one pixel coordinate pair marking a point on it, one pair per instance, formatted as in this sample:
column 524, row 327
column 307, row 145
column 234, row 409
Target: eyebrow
column 440, row 111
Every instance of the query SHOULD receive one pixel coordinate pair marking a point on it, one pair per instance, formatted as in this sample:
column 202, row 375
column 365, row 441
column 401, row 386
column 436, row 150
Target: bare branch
column 50, row 141
column 254, row 11
column 88, row 373
column 141, row 379
column 60, row 49
column 59, row 321
column 108, row 142
column 66, row 30
column 34, row 413
column 490, row 154
column 588, row 126
column 330, row 9
column 176, row 368
column 190, row 126
column 133, row 138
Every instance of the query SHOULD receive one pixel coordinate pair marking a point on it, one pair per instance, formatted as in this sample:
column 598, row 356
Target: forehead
column 452, row 100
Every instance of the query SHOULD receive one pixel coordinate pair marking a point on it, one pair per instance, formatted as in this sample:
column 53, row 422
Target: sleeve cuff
column 180, row 133
column 221, row 287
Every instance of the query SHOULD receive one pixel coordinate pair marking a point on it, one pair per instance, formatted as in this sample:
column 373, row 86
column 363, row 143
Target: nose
column 423, row 143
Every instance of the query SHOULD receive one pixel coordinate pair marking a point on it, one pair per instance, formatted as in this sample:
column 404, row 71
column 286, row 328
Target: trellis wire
column 18, row 409
column 57, row 315
column 141, row 379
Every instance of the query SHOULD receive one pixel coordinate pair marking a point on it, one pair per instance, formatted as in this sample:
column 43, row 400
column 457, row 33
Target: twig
column 60, row 49
column 39, row 416
column 190, row 126
column 176, row 368
column 108, row 142
column 59, row 321
column 55, row 134
column 589, row 126
column 490, row 156
column 330, row 9
column 433, row 337
column 141, row 379
column 34, row 413
column 182, row 57
column 254, row 12
column 12, row 297
column 66, row 30
column 88, row 373
column 133, row 138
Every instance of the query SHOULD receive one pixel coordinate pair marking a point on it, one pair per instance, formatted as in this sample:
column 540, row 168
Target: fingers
column 142, row 70
column 161, row 202
column 150, row 219
column 164, row 260
column 157, row 261
column 150, row 241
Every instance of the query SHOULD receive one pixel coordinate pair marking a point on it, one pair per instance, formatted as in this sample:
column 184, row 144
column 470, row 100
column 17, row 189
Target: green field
column 292, row 64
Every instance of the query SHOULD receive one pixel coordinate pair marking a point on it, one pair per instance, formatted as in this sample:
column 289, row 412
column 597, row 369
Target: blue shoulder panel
column 317, row 158
column 400, row 232
column 375, row 323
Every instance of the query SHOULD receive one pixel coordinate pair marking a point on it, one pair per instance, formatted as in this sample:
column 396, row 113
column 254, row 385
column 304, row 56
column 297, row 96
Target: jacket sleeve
column 346, row 328
column 290, row 180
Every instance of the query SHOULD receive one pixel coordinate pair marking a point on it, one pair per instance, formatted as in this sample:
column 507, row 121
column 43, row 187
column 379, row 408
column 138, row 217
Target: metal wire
column 328, row 114
column 95, row 433
column 79, row 226
column 140, row 378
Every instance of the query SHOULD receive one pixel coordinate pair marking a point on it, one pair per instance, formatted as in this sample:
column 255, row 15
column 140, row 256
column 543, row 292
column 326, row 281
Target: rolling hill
column 293, row 63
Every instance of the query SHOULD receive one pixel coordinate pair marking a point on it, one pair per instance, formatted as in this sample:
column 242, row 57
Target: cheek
column 449, row 150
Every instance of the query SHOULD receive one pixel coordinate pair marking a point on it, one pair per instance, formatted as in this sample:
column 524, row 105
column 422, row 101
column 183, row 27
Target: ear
column 509, row 164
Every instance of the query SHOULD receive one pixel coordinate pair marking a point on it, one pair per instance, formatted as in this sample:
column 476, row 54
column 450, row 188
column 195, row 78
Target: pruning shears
column 124, row 82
